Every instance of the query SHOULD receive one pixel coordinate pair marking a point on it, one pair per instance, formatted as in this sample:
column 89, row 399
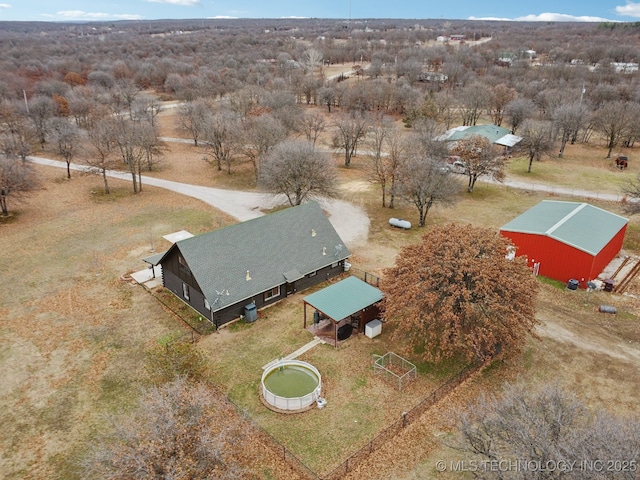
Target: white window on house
column 206, row 304
column 271, row 294
column 335, row 264
column 185, row 291
column 313, row 274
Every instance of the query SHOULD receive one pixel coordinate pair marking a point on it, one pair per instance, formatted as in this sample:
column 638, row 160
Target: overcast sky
column 534, row 10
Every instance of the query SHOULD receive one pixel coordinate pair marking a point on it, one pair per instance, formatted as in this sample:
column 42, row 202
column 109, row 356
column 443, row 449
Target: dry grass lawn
column 74, row 334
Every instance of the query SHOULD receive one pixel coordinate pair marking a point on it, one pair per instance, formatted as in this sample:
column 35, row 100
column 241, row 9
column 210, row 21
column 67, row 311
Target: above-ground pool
column 291, row 385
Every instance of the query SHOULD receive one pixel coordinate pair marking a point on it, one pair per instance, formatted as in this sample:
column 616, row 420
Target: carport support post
column 305, row 314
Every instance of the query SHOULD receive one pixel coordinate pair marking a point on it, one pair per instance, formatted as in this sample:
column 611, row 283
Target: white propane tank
column 398, row 222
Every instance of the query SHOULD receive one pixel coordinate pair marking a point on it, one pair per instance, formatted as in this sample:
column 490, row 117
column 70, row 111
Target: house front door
column 291, row 288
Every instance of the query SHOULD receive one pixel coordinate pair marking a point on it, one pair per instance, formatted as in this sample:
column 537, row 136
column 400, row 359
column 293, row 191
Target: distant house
column 435, row 77
column 567, row 240
column 496, row 135
column 254, row 263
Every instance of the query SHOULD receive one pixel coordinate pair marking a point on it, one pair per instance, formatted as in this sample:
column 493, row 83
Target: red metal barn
column 565, row 240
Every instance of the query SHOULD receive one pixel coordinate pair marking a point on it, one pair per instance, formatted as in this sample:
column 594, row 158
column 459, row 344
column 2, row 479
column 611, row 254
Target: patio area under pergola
column 341, row 308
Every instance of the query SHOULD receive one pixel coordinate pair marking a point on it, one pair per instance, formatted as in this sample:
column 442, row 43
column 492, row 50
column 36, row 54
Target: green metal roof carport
column 342, row 299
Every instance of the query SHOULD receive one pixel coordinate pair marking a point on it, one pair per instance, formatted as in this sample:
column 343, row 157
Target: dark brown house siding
column 175, row 275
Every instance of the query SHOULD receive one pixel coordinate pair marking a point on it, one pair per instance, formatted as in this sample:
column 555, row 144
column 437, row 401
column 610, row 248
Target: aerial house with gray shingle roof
column 567, row 240
column 253, row 263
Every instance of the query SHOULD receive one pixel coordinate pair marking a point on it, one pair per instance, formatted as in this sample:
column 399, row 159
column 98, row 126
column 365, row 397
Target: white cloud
column 629, row 10
column 82, row 15
column 183, row 3
column 5, row 5
column 560, row 17
column 223, row 17
column 549, row 17
column 496, row 19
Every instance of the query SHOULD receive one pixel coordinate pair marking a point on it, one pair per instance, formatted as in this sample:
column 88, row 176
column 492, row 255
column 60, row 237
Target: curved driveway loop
column 350, row 221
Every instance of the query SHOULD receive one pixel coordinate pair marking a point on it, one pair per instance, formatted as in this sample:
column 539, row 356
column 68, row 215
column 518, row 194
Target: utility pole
column 26, row 103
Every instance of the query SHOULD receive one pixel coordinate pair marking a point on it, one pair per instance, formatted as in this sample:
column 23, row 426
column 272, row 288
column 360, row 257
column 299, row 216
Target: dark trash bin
column 250, row 313
column 608, row 285
column 573, row 284
column 345, row 331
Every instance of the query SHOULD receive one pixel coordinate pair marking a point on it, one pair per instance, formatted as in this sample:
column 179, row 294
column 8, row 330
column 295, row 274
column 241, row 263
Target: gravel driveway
column 350, row 221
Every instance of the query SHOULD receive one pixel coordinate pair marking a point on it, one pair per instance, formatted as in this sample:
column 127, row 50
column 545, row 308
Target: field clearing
column 74, row 334
column 582, row 167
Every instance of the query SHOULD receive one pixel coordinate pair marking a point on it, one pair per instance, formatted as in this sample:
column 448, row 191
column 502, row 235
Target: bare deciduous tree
column 456, row 295
column 568, row 120
column 146, row 107
column 425, row 182
column 632, row 191
column 41, row 110
column 16, row 133
column 131, row 143
column 261, row 134
column 444, row 103
column 499, row 97
column 101, row 148
column 481, row 158
column 312, row 125
column 124, row 95
column 180, row 430
column 613, row 120
column 389, row 149
column 83, row 106
column 349, row 130
column 17, row 178
column 312, row 60
column 397, row 150
column 327, row 96
column 298, row 171
column 193, row 118
column 428, row 139
column 519, row 110
column 473, row 101
column 221, row 138
column 382, row 133
column 536, row 140
column 549, row 431
column 65, row 136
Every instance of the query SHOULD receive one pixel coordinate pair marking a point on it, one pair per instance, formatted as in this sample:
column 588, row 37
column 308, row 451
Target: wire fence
column 374, row 444
column 405, row 419
column 367, row 277
column 199, row 328
column 405, row 371
column 278, row 448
